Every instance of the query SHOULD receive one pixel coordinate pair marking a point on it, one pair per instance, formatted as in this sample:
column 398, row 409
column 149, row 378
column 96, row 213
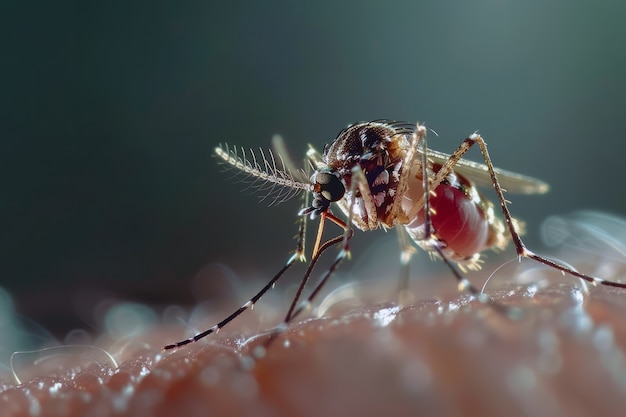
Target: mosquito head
column 328, row 185
column 327, row 188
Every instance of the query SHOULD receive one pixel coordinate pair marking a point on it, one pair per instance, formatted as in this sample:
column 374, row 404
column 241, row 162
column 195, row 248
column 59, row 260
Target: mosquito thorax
column 379, row 149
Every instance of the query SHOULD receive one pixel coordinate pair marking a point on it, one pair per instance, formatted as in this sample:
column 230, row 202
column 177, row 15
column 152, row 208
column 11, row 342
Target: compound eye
column 329, row 186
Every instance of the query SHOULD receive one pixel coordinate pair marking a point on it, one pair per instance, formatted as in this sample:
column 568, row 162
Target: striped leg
column 298, row 255
column 433, row 242
column 521, row 249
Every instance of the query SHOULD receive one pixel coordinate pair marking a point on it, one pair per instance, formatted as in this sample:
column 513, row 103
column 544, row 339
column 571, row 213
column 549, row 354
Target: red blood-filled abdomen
column 458, row 221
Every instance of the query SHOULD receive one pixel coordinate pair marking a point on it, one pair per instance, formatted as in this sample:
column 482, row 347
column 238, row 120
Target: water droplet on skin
column 384, row 316
column 58, row 361
column 78, row 337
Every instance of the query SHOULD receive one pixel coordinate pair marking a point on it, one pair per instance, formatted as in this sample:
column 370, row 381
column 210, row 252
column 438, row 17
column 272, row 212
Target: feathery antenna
column 263, row 175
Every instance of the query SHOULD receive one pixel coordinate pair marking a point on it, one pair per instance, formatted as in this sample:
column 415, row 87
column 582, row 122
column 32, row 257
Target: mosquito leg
column 357, row 177
column 293, row 312
column 418, row 137
column 464, row 284
column 250, row 303
column 305, row 278
column 298, row 309
column 340, row 257
column 302, row 231
column 316, row 255
column 316, row 252
column 521, row 249
column 297, row 256
column 407, row 250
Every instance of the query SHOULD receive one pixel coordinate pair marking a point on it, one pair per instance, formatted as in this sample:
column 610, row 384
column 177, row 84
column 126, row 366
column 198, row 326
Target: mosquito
column 381, row 174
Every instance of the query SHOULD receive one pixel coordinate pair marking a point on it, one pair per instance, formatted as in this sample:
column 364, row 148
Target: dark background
column 109, row 114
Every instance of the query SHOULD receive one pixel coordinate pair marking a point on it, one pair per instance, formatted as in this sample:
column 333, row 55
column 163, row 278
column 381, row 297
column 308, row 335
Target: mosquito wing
column 280, row 148
column 479, row 174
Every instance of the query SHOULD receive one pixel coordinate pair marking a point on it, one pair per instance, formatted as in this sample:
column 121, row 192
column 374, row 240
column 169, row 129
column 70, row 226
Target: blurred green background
column 109, row 113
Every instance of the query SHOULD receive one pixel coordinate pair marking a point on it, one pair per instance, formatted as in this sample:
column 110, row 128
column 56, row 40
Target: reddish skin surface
column 555, row 361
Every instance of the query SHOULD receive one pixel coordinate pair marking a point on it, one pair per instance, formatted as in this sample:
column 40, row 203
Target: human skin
column 563, row 356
